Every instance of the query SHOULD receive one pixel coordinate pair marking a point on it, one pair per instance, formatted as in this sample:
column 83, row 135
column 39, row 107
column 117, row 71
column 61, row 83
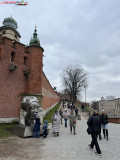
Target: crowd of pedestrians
column 69, row 113
column 96, row 123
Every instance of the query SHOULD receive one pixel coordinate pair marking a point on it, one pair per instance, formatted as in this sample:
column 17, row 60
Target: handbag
column 74, row 121
column 89, row 130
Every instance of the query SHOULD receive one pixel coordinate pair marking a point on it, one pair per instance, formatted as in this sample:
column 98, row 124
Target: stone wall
column 111, row 107
column 114, row 120
column 50, row 97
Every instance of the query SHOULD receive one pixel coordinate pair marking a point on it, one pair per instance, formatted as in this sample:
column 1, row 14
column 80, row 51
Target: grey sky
column 84, row 32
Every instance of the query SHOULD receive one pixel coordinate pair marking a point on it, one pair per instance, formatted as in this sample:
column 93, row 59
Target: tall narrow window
column 25, row 61
column 12, row 57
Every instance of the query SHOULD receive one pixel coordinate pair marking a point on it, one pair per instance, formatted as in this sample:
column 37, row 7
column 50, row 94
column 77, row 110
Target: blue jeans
column 82, row 109
column 65, row 122
column 36, row 133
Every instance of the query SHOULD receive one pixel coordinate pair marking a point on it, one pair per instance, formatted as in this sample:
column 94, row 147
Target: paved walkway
column 65, row 147
column 68, row 146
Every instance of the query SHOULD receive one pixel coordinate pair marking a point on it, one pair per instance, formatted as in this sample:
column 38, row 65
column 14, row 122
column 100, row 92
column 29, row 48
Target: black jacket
column 94, row 122
column 104, row 119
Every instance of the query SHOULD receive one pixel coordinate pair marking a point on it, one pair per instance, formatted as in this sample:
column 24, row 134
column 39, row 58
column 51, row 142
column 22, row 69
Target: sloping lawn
column 51, row 112
column 6, row 130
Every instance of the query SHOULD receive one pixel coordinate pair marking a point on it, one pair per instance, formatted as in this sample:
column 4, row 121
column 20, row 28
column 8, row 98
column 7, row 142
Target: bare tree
column 74, row 80
column 110, row 97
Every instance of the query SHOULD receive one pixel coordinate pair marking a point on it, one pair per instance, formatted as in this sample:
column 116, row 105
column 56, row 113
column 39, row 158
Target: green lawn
column 6, row 130
column 51, row 112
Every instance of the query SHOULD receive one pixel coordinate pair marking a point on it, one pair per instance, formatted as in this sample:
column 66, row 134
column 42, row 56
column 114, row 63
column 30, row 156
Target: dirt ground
column 17, row 148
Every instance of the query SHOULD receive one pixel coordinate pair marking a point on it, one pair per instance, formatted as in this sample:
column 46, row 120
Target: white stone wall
column 10, row 34
column 9, row 120
column 111, row 107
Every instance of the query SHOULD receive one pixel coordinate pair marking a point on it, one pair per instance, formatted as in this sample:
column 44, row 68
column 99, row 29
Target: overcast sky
column 84, row 32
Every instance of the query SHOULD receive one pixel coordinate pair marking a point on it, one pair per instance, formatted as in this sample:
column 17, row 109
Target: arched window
column 12, row 57
column 25, row 60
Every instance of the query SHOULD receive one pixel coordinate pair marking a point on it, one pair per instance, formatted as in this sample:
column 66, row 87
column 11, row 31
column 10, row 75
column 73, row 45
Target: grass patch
column 49, row 115
column 6, row 130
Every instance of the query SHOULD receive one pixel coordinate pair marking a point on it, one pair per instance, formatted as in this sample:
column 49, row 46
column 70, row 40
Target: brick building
column 21, row 72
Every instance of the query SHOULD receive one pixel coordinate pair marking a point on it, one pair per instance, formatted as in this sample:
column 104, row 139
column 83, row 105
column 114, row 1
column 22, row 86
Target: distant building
column 111, row 107
column 21, row 72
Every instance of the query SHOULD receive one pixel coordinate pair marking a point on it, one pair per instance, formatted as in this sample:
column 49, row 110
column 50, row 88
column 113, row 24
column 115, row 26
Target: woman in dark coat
column 104, row 122
column 36, row 130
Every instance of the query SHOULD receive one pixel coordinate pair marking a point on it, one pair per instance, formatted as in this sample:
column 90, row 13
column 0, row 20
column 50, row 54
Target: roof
column 10, row 22
column 35, row 41
column 10, row 19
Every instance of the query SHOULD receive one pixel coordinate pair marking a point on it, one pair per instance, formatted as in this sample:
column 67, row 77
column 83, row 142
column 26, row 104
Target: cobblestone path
column 75, row 147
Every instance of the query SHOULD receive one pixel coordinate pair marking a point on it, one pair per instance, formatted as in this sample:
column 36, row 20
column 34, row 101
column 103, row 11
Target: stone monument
column 30, row 106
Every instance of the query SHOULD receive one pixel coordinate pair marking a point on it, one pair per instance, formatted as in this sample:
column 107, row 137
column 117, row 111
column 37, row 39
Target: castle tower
column 9, row 29
column 36, row 65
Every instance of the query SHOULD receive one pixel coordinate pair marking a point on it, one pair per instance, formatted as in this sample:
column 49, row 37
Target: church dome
column 10, row 22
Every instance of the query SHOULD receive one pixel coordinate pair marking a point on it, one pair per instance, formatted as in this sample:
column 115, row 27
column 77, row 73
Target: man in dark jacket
column 94, row 123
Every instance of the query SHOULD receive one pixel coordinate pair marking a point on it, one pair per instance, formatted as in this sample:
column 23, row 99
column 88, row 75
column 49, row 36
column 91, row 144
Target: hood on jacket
column 46, row 121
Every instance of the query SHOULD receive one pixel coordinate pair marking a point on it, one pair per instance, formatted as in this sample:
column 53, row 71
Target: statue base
column 23, row 131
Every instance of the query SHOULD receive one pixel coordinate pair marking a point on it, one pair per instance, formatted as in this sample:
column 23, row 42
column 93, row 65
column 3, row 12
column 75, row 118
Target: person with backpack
column 94, row 124
column 104, row 122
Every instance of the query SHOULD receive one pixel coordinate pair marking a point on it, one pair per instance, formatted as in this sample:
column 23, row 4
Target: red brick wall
column 49, row 95
column 114, row 120
column 35, row 62
column 12, row 84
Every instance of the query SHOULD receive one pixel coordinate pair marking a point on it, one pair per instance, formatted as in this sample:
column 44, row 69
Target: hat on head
column 38, row 115
column 103, row 111
column 65, row 109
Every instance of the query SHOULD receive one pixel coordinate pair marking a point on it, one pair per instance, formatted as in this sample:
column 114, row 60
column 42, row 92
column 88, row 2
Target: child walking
column 45, row 126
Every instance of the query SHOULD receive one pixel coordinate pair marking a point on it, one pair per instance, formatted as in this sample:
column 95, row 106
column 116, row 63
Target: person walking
column 61, row 115
column 94, row 123
column 104, row 122
column 65, row 116
column 36, row 129
column 45, row 126
column 56, row 123
column 100, row 137
column 76, row 111
column 72, row 121
column 82, row 107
